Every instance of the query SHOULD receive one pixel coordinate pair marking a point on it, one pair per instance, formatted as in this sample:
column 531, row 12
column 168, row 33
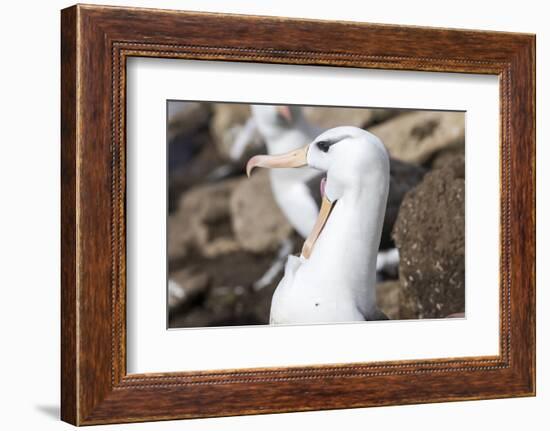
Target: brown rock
column 403, row 177
column 453, row 158
column 358, row 117
column 415, row 137
column 186, row 286
column 257, row 221
column 394, row 302
column 226, row 115
column 203, row 222
column 429, row 233
column 387, row 296
column 197, row 317
column 408, row 304
column 227, row 306
column 185, row 118
column 227, row 124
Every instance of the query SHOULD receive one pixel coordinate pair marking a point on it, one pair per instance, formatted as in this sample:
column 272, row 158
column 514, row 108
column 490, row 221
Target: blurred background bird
column 284, row 129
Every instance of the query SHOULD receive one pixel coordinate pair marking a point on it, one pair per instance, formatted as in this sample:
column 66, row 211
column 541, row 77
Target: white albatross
column 284, row 128
column 334, row 279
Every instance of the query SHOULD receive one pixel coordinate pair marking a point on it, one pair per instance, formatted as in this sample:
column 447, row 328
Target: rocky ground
column 225, row 231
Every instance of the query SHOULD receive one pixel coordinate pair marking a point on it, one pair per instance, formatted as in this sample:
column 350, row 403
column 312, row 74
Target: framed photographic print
column 266, row 215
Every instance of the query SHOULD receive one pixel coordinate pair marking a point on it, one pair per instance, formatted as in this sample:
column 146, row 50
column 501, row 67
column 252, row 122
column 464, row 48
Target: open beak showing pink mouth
column 295, row 159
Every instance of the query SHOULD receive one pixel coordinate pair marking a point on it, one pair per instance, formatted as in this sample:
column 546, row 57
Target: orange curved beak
column 295, row 159
column 292, row 159
column 324, row 212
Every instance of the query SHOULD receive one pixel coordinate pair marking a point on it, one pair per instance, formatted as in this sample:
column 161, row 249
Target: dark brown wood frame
column 95, row 43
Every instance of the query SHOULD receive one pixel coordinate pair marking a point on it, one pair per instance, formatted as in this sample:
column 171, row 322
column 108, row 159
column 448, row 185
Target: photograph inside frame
column 290, row 214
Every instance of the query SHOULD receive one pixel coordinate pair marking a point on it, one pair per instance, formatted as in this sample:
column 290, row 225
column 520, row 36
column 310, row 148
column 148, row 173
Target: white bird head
column 271, row 120
column 349, row 156
column 353, row 159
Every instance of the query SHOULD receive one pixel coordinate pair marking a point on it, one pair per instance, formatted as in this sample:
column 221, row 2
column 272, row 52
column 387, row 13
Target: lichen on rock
column 429, row 233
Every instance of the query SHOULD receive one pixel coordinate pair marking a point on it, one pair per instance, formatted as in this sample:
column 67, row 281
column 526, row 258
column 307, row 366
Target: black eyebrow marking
column 325, row 144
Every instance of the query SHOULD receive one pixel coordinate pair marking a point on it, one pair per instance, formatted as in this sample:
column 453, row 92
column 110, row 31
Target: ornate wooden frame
column 95, row 43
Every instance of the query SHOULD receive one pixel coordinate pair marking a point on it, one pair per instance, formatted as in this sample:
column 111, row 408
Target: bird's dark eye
column 324, row 146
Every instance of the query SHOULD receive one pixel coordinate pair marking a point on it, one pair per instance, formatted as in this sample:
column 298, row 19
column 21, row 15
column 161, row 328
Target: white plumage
column 334, row 279
column 284, row 129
